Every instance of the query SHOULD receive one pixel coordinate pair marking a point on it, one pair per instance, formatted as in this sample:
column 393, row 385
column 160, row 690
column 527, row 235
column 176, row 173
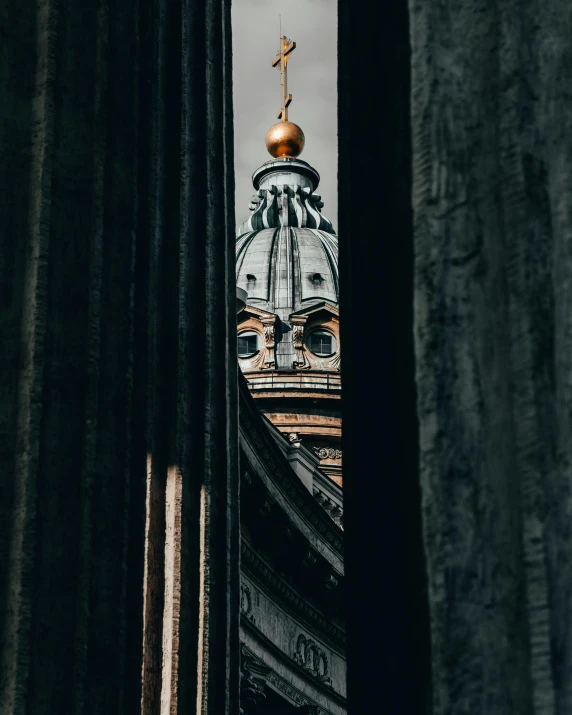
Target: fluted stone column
column 117, row 361
column 492, row 158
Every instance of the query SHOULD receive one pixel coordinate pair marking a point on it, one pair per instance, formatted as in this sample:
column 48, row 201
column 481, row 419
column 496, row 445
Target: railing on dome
column 307, row 380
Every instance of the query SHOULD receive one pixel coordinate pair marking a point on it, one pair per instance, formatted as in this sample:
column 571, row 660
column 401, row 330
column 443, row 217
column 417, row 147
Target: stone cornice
column 271, row 676
column 290, row 601
column 286, row 164
column 281, row 475
column 316, row 308
column 265, row 674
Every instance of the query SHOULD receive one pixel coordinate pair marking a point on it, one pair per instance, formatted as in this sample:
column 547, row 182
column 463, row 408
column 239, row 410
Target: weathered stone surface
column 116, row 261
column 492, row 159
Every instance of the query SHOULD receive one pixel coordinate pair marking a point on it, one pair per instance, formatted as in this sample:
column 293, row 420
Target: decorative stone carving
column 255, row 201
column 246, row 602
column 298, row 342
column 290, row 600
column 331, row 581
column 310, row 559
column 251, row 693
column 292, row 490
column 269, row 335
column 337, row 515
column 287, row 689
column 312, row 658
column 258, row 670
column 264, row 324
column 268, row 325
column 294, row 438
column 327, row 452
column 320, row 497
column 286, row 206
column 259, row 360
column 335, row 511
column 254, row 675
column 335, row 362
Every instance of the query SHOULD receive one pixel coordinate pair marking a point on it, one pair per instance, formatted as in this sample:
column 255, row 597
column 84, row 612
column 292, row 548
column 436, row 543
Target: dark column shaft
column 491, row 114
column 388, row 632
column 118, row 355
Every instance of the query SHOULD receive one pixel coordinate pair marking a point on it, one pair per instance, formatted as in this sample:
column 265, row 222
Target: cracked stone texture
column 492, row 165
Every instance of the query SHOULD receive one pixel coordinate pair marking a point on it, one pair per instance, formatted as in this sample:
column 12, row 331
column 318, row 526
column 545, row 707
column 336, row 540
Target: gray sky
column 312, row 82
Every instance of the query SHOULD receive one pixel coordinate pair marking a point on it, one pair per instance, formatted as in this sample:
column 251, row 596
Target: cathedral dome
column 288, row 337
column 287, row 251
column 287, row 262
column 285, row 268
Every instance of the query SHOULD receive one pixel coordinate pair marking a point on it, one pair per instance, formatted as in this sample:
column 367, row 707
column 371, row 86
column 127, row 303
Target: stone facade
column 292, row 578
column 287, row 262
column 292, row 610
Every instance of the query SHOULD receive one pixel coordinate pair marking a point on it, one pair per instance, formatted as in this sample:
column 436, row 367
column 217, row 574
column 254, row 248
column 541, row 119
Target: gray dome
column 286, row 268
column 287, row 251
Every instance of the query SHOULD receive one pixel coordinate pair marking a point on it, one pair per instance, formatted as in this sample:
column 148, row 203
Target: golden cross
column 282, row 57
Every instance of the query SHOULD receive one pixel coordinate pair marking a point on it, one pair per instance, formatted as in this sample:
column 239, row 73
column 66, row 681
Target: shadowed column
column 117, row 371
column 493, row 278
column 387, row 615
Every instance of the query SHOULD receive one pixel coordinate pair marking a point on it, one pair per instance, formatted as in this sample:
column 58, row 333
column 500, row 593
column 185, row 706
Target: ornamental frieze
column 255, row 676
column 246, row 602
column 289, row 600
column 312, row 658
column 327, row 452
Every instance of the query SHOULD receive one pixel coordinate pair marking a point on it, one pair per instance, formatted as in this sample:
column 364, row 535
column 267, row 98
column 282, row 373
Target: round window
column 247, row 344
column 322, row 343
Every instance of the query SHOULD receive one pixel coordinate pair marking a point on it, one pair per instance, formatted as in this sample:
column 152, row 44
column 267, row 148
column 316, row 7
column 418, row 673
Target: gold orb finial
column 285, row 139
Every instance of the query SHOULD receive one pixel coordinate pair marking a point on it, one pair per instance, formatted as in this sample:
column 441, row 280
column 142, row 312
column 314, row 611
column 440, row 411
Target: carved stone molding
column 312, row 658
column 284, row 481
column 290, row 600
column 286, row 205
column 254, row 665
column 264, row 324
column 327, row 452
column 268, row 325
column 252, row 682
column 251, row 693
column 246, row 603
column 335, row 362
column 335, row 511
column 298, row 341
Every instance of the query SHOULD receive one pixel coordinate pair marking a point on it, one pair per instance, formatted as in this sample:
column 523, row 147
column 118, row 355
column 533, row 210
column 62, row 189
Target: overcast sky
column 312, row 82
